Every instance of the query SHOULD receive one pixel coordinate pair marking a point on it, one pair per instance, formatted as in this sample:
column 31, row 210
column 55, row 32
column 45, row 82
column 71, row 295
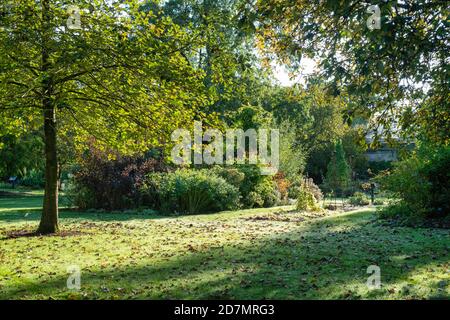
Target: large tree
column 234, row 76
column 317, row 117
column 105, row 68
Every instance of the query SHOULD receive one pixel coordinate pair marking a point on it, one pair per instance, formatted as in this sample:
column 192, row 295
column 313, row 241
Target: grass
column 6, row 188
column 249, row 254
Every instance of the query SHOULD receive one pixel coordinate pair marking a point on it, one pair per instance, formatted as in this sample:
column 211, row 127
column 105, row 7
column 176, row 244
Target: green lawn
column 251, row 254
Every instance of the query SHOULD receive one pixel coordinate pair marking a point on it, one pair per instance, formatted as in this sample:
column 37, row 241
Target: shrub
column 331, row 207
column 437, row 173
column 309, row 184
column 254, row 199
column 190, row 191
column 256, row 190
column 79, row 196
column 422, row 182
column 359, row 199
column 399, row 210
column 232, row 175
column 282, row 185
column 252, row 177
column 267, row 190
column 338, row 175
column 101, row 183
column 294, row 187
column 378, row 202
column 33, row 178
column 314, row 189
column 306, row 200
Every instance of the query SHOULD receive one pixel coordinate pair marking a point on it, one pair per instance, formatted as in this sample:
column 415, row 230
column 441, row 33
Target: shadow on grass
column 30, row 215
column 29, row 208
column 30, row 234
column 322, row 261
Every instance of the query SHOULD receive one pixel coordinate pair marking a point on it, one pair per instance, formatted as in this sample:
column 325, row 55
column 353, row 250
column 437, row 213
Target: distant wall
column 386, row 154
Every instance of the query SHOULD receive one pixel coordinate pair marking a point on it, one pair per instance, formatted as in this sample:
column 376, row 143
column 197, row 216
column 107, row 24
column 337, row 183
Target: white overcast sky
column 307, row 67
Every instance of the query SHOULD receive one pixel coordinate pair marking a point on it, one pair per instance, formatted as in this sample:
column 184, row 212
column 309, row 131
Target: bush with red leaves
column 102, row 183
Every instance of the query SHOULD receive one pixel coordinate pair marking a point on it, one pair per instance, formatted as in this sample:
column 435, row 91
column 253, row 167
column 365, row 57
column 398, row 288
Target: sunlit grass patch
column 221, row 256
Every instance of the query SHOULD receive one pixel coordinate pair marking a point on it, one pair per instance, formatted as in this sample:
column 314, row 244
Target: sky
column 282, row 75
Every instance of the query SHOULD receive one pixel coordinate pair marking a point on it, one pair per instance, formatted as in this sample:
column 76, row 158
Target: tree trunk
column 49, row 218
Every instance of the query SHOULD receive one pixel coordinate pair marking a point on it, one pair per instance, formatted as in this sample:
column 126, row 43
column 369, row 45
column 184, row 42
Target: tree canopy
column 107, row 69
column 397, row 73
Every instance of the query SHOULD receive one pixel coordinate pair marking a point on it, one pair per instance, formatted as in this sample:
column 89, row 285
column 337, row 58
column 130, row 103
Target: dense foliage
column 133, row 72
column 379, row 69
column 338, row 171
column 421, row 182
column 359, row 199
column 189, row 191
column 209, row 190
column 306, row 200
column 21, row 155
column 119, row 74
column 102, row 183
